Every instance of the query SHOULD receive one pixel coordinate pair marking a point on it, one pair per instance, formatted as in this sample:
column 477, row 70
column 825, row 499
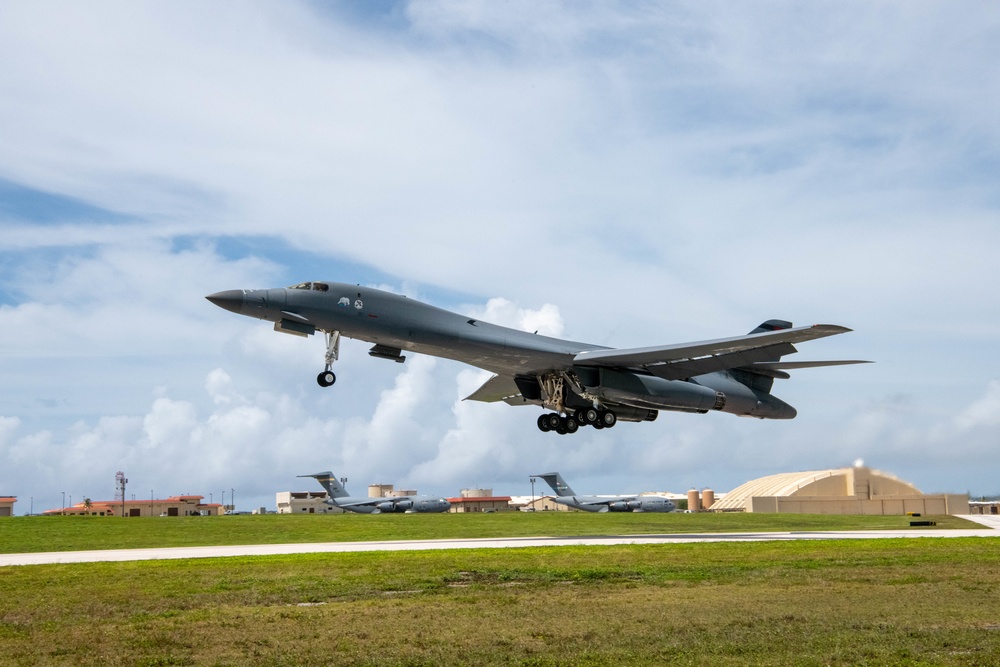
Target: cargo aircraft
column 337, row 496
column 578, row 383
column 566, row 496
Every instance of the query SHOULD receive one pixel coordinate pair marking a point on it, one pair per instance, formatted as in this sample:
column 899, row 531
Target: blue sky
column 625, row 174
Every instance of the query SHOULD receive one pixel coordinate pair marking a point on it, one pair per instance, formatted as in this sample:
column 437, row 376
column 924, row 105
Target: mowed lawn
column 65, row 533
column 856, row 602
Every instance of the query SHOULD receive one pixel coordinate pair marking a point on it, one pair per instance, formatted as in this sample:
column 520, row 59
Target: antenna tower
column 120, row 483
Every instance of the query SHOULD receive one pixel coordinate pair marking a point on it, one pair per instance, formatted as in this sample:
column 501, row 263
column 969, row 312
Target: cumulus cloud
column 622, row 174
column 985, row 412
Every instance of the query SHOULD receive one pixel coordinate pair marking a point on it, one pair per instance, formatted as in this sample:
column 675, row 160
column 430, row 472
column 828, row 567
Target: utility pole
column 232, row 499
column 532, row 494
column 63, row 510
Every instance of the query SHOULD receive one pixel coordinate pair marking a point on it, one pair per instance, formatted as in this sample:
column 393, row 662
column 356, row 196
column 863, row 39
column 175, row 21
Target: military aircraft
column 566, row 496
column 582, row 384
column 338, row 497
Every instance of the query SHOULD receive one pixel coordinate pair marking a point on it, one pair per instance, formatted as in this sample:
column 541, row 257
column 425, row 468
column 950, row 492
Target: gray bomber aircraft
column 338, row 497
column 566, row 496
column 581, row 384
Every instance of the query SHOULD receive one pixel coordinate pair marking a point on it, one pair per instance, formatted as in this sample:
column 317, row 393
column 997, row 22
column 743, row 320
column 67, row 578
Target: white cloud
column 632, row 174
column 984, row 412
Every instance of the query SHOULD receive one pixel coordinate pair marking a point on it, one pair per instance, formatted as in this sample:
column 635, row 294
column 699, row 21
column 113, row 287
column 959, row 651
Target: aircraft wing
column 675, row 362
column 358, row 503
column 605, row 503
column 497, row 388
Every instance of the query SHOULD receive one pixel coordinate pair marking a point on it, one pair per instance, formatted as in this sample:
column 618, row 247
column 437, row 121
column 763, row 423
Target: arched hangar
column 855, row 490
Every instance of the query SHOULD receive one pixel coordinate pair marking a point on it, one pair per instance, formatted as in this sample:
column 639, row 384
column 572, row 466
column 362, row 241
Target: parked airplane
column 566, row 496
column 582, row 384
column 338, row 497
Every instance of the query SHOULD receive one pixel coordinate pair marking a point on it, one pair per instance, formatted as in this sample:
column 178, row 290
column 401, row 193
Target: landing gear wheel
column 590, row 416
column 608, row 418
column 554, row 421
column 543, row 424
column 326, row 379
column 570, row 424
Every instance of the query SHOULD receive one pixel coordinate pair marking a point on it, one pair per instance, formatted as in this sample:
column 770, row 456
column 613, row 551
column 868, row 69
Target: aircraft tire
column 326, row 379
column 554, row 421
column 543, row 424
column 571, row 425
column 608, row 418
column 590, row 416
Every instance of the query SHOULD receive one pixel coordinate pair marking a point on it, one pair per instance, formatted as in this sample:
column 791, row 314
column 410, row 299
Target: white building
column 304, row 502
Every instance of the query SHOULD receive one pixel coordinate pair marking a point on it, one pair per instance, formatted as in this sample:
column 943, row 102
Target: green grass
column 64, row 533
column 853, row 602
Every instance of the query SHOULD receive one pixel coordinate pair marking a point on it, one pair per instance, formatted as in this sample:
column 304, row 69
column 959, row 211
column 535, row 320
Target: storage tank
column 707, row 498
column 477, row 493
column 379, row 490
column 694, row 503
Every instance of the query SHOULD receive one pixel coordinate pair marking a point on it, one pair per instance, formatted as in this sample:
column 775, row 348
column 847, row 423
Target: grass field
column 855, row 602
column 62, row 533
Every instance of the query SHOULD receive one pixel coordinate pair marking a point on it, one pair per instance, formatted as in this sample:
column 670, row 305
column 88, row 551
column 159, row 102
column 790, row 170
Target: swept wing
column 676, row 362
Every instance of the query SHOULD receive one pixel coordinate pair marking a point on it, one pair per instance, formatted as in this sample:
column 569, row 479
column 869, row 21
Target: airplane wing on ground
column 676, row 362
column 359, row 503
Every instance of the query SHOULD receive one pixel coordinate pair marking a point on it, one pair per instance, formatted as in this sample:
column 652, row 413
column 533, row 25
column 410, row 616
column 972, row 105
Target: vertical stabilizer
column 772, row 325
column 555, row 480
column 763, row 382
column 330, row 483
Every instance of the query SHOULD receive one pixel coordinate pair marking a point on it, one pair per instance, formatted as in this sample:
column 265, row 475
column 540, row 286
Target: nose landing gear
column 328, row 377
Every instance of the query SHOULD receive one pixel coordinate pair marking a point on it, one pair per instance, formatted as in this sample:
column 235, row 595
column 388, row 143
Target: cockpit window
column 316, row 287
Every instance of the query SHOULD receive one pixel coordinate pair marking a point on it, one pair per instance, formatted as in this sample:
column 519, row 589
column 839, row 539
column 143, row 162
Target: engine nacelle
column 627, row 413
column 404, row 505
column 619, row 506
column 387, row 506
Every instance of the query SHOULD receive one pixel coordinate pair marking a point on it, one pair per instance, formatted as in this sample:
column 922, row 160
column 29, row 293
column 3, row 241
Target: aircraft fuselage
column 551, row 372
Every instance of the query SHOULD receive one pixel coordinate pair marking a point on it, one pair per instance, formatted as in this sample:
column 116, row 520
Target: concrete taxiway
column 991, row 529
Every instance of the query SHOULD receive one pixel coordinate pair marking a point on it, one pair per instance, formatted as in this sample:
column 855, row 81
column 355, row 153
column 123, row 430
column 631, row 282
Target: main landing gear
column 552, row 421
column 328, row 377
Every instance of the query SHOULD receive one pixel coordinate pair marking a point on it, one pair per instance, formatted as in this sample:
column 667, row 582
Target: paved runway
column 991, row 529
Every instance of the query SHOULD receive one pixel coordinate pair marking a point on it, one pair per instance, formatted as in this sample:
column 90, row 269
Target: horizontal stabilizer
column 793, row 365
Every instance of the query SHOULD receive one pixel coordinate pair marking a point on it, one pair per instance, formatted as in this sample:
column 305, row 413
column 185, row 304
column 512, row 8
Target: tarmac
column 991, row 528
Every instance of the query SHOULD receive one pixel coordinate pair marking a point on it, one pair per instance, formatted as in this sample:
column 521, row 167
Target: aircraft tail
column 332, row 485
column 555, row 480
column 765, row 368
column 759, row 378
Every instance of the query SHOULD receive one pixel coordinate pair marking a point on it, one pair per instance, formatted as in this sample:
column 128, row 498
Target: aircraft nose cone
column 231, row 300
